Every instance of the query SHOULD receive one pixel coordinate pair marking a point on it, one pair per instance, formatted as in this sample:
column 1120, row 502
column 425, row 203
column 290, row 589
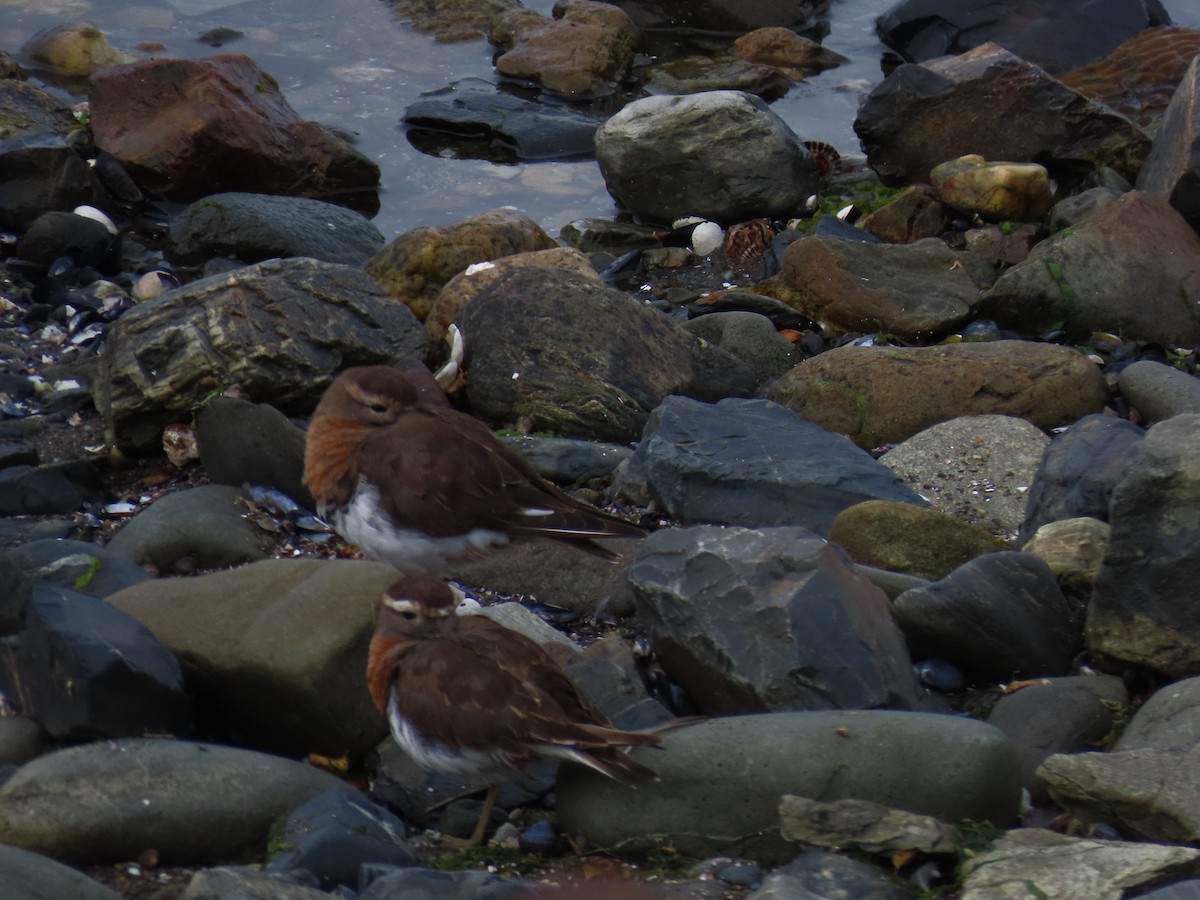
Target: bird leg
column 476, row 838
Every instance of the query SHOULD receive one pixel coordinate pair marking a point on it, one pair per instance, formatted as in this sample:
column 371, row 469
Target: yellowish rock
column 75, row 49
column 995, row 191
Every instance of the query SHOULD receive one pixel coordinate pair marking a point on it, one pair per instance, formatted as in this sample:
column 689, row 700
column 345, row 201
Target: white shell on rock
column 90, row 212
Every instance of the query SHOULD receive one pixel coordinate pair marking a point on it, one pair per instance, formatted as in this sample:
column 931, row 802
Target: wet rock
column 787, row 51
column 996, row 617
column 1079, row 470
column 1002, row 245
column 695, row 74
column 466, row 285
column 978, row 468
column 1058, row 38
column 586, row 50
column 995, row 191
column 704, row 155
column 878, row 395
column 870, row 827
column 1159, row 391
column 205, row 525
column 608, row 675
column 38, row 170
column 30, row 876
column 912, row 214
column 277, row 330
column 1140, row 76
column 74, row 49
column 590, row 361
column 750, row 462
column 1133, row 266
column 909, row 538
column 1058, row 715
column 1142, row 608
column 334, row 833
column 721, row 780
column 21, row 739
column 274, row 650
column 1148, row 794
column 817, row 873
column 241, row 134
column 414, row 266
column 922, row 115
column 473, row 120
column 914, row 291
column 723, row 15
column 80, row 565
column 1068, row 868
column 254, row 227
column 1072, row 548
column 751, row 338
column 732, row 615
column 1169, row 720
column 252, row 443
column 110, row 801
column 84, row 670
column 450, row 20
column 1173, row 168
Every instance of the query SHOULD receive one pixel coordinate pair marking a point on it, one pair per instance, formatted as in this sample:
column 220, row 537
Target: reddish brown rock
column 187, row 128
column 586, row 49
column 786, row 50
column 1173, row 169
column 1139, row 77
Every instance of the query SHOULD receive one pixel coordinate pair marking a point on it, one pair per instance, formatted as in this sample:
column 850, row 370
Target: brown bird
column 465, row 696
column 419, row 485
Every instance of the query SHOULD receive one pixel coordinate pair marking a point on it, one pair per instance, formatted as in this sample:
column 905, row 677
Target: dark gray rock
column 21, row 739
column 245, row 883
column 1058, row 715
column 1172, row 170
column 750, row 337
column 720, row 780
column 79, row 565
column 203, row 524
column 721, row 155
column 922, row 115
column 56, row 234
column 1143, row 608
column 1180, row 890
column 722, row 15
column 430, row 884
column 16, row 589
column 474, row 121
column 252, row 443
column 334, row 833
column 589, row 361
column 278, row 330
column 193, row 803
column 38, row 170
column 30, row 876
column 1074, row 209
column 1159, row 391
column 1078, row 471
column 752, row 463
column 37, row 491
column 566, row 461
column 771, row 619
column 254, row 227
column 85, row 670
column 818, row 874
column 607, row 674
column 997, row 617
column 1060, row 37
column 1169, row 720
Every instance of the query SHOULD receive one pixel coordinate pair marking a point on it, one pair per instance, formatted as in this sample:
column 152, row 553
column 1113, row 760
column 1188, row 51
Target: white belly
column 364, row 524
column 433, row 756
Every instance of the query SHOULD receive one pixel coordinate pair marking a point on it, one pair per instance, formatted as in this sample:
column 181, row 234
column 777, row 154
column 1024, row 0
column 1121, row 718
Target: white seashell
column 706, row 238
column 687, row 220
column 90, row 212
column 478, row 267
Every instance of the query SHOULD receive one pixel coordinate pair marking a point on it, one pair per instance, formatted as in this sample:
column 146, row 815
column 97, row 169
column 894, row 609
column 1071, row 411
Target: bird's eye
column 408, row 615
column 379, row 409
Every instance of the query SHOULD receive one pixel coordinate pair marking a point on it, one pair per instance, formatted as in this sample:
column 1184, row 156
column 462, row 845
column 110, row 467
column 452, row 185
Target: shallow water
column 351, row 64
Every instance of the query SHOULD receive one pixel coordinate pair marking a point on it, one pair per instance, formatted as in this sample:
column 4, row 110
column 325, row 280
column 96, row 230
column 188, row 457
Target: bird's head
column 418, row 607
column 371, row 395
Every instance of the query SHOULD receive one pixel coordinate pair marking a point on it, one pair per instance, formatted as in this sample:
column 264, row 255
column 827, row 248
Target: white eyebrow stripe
column 400, row 604
column 536, row 511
